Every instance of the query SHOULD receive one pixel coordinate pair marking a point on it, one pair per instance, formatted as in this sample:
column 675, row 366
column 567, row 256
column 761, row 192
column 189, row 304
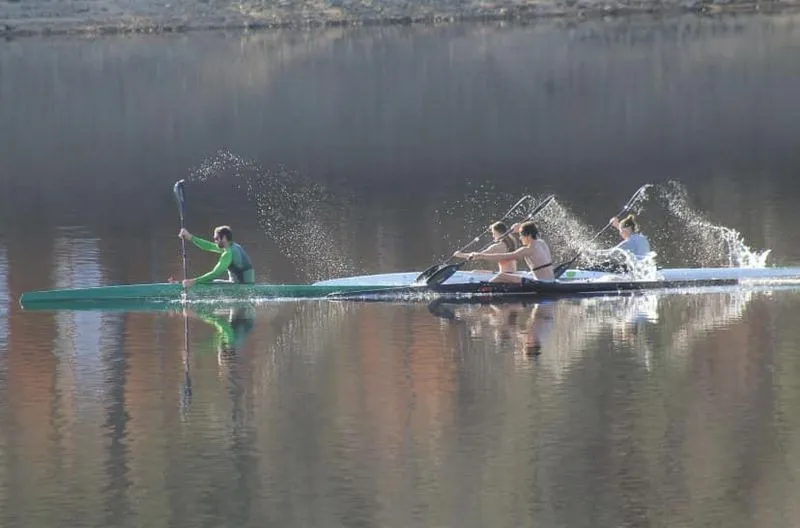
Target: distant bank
column 86, row 17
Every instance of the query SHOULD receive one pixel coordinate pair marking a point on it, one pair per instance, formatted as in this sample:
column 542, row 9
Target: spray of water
column 290, row 210
column 702, row 241
column 567, row 235
column 564, row 232
column 479, row 208
column 682, row 232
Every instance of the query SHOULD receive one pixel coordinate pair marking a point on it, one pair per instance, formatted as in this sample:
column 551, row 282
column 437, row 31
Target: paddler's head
column 498, row 230
column 528, row 232
column 223, row 236
column 628, row 226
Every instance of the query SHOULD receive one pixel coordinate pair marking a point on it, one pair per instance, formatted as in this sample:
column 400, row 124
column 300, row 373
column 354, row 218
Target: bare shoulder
column 541, row 247
column 496, row 247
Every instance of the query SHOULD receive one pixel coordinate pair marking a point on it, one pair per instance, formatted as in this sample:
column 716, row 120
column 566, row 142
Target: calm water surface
column 376, row 150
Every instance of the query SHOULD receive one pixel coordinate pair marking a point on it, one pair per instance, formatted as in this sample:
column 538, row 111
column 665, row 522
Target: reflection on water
column 5, row 299
column 558, row 333
column 406, row 415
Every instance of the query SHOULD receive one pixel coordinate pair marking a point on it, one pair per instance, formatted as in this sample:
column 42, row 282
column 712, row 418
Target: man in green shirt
column 232, row 258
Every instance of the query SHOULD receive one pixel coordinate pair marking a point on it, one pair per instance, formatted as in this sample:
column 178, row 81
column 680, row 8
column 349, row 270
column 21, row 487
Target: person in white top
column 632, row 240
column 534, row 251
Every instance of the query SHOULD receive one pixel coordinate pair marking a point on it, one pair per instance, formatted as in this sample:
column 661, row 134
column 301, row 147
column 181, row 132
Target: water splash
column 683, row 233
column 290, row 210
column 639, row 269
column 567, row 235
column 478, row 209
column 706, row 243
column 564, row 232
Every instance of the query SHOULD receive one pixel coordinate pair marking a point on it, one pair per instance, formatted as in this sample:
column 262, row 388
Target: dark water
column 376, row 150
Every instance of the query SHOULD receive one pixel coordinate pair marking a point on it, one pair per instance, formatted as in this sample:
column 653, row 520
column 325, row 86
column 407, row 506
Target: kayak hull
column 540, row 290
column 164, row 292
column 398, row 285
column 393, row 285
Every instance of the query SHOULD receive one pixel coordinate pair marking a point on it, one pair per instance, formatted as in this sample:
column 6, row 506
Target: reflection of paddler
column 232, row 330
column 539, row 327
column 503, row 319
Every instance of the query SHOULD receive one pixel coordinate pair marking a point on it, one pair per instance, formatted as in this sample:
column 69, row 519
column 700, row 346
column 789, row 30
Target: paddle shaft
column 429, row 271
column 488, row 229
column 181, row 199
column 444, row 272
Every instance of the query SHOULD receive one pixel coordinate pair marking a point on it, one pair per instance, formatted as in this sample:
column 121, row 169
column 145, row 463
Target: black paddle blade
column 425, row 275
column 177, row 190
column 443, row 273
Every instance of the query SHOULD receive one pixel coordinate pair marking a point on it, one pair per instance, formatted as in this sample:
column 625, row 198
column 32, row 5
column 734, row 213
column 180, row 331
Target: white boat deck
column 462, row 277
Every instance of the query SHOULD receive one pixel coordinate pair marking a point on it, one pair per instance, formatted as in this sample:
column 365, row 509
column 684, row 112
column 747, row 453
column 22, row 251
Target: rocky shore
column 42, row 17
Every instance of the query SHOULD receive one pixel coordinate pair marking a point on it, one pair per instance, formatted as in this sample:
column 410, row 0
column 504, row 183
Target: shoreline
column 572, row 10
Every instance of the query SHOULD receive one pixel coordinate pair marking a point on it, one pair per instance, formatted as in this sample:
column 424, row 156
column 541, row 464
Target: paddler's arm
column 493, row 247
column 205, row 245
column 219, row 270
column 494, row 257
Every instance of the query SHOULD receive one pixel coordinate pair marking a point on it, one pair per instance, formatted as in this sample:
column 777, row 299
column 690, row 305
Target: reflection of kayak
column 399, row 285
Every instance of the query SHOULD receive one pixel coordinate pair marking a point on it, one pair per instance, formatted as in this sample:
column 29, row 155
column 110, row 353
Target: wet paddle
column 559, row 270
column 445, row 272
column 429, row 272
column 180, row 197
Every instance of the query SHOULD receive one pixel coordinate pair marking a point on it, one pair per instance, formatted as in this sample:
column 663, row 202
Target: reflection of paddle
column 445, row 272
column 438, row 309
column 561, row 268
column 186, row 400
column 426, row 275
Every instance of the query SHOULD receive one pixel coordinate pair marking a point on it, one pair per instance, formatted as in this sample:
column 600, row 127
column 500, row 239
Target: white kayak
column 577, row 275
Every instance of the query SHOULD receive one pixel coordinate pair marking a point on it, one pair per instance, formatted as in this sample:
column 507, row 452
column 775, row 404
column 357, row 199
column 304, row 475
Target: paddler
column 633, row 243
column 632, row 240
column 232, row 258
column 534, row 251
column 504, row 242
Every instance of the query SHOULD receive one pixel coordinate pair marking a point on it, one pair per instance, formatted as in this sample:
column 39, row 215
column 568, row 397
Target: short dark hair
column 529, row 229
column 224, row 231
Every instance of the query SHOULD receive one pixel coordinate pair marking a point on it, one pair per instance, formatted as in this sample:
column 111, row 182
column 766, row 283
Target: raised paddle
column 180, row 197
column 445, row 272
column 425, row 275
column 561, row 268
